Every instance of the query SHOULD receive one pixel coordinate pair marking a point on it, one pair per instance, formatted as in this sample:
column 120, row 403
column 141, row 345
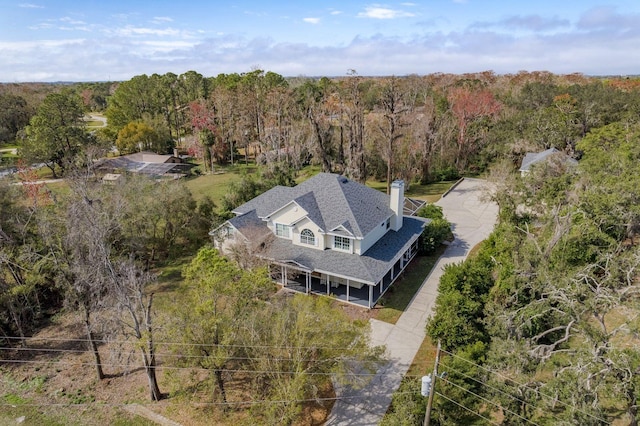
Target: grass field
column 94, row 123
column 397, row 298
column 214, row 186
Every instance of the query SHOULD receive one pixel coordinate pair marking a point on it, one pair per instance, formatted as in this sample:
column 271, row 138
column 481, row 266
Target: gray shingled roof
column 250, row 226
column 532, row 158
column 369, row 267
column 331, row 200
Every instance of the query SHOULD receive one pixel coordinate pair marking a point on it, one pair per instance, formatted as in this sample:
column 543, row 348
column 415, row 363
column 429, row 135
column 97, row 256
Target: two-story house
column 328, row 235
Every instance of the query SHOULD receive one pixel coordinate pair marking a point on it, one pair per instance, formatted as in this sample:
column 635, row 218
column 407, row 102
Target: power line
column 163, row 343
column 162, row 367
column 249, row 402
column 159, row 354
column 538, row 391
column 493, row 403
column 448, row 368
column 468, row 409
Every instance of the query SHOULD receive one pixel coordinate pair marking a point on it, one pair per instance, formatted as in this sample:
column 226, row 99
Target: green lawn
column 94, row 123
column 397, row 298
column 215, row 185
column 430, row 192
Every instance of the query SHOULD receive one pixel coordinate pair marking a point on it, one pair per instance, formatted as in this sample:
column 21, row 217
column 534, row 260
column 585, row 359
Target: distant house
column 533, row 158
column 328, row 235
column 147, row 163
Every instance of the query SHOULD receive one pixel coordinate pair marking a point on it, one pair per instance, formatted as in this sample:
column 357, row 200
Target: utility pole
column 434, row 377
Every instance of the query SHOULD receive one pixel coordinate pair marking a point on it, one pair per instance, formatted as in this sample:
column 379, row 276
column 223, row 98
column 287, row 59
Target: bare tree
column 353, row 107
column 133, row 305
column 393, row 109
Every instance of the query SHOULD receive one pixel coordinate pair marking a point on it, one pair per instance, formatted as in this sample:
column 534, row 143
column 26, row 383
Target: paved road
column 473, row 220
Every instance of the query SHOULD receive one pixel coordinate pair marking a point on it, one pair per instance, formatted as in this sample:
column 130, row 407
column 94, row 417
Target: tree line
column 417, row 128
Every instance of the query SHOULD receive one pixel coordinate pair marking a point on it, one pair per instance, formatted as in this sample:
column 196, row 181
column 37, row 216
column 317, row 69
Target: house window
column 307, row 237
column 283, row 230
column 342, row 243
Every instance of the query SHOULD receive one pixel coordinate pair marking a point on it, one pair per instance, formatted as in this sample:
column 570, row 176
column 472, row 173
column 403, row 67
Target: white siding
column 372, row 237
column 308, row 224
column 289, row 214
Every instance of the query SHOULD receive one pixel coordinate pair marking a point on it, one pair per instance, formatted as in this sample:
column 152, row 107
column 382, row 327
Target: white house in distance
column 328, row 235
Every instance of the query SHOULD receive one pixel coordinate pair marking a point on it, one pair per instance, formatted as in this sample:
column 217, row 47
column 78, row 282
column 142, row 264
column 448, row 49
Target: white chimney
column 397, row 204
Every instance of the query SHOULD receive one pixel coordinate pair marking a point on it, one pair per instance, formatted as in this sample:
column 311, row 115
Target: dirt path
column 142, row 411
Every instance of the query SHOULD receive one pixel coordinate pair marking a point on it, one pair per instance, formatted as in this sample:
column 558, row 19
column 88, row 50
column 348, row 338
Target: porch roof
column 369, row 268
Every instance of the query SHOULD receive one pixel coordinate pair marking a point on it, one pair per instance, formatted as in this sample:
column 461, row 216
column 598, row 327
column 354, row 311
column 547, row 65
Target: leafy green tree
column 294, row 345
column 463, row 291
column 251, row 186
column 139, row 136
column 222, row 297
column 162, row 220
column 20, row 286
column 56, row 133
column 14, row 116
column 464, row 379
column 610, row 181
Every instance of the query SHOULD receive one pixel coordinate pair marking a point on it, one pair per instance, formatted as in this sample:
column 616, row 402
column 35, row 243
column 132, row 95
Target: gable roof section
column 331, row 200
column 250, row 226
column 532, row 158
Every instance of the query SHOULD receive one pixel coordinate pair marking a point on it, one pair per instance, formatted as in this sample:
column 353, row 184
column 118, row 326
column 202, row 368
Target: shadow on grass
column 398, row 297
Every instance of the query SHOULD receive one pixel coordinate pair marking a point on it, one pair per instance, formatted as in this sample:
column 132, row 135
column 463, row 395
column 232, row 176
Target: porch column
column 381, row 284
column 347, row 290
column 370, row 296
column 328, row 284
column 308, row 282
column 284, row 276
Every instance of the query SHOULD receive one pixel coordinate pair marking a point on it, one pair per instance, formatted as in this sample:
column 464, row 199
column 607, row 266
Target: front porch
column 300, row 279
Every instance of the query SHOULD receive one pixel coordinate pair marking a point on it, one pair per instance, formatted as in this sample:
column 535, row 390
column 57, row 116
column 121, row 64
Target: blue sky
column 91, row 40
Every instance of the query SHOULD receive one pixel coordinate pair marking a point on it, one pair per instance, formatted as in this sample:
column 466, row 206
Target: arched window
column 307, row 237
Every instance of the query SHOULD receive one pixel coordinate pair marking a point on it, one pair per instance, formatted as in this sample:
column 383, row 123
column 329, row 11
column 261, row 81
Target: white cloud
column 72, row 21
column 311, row 20
column 41, row 26
column 138, row 31
column 161, row 19
column 30, row 6
column 380, row 12
column 121, row 54
column 335, row 12
column 528, row 22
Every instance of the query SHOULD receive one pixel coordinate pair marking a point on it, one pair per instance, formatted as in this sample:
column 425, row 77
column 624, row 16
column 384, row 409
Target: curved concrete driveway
column 472, row 220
